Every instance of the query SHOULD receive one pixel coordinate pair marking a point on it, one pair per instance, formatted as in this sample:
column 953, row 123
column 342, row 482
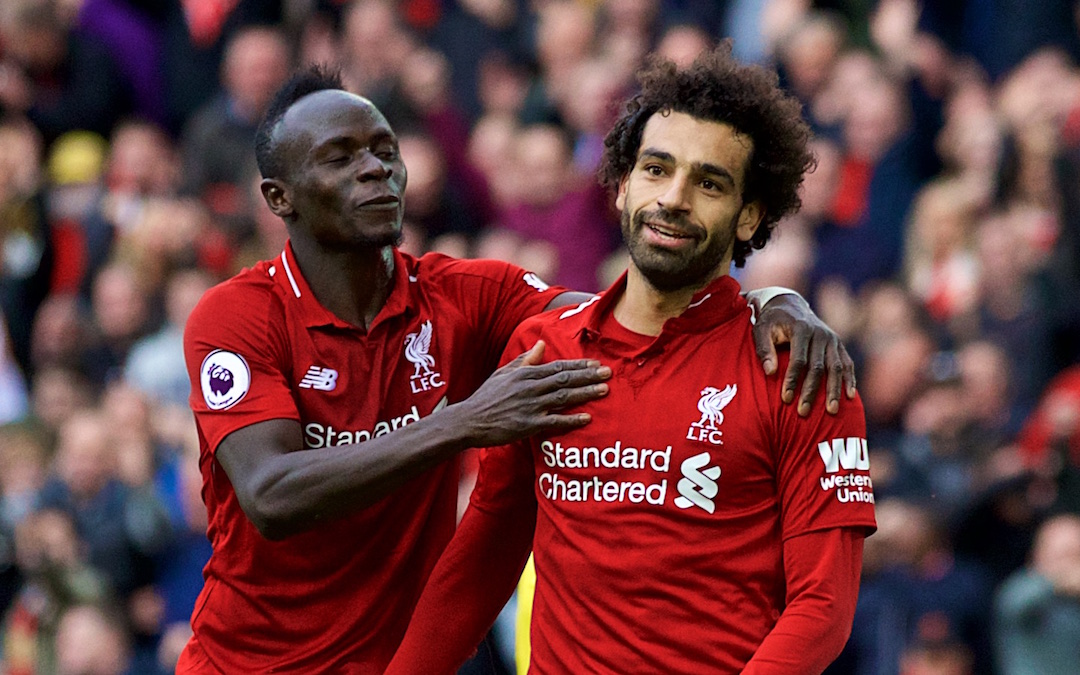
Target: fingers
column 561, row 422
column 849, row 371
column 578, row 377
column 814, row 373
column 800, row 348
column 534, row 356
column 565, row 398
column 835, row 368
column 763, row 344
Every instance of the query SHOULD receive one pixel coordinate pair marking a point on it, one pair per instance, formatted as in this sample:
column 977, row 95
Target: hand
column 519, row 399
column 815, row 349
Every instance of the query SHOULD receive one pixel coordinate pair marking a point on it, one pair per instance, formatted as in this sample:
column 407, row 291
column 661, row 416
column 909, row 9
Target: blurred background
column 939, row 235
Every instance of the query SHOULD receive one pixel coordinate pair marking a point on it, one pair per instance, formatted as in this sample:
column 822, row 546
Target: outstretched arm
column 284, row 492
column 784, row 317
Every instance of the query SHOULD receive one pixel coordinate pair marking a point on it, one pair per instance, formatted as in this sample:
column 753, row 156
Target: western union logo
column 844, row 453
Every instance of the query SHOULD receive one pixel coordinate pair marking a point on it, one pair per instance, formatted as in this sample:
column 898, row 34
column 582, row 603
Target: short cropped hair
column 718, row 88
column 303, row 82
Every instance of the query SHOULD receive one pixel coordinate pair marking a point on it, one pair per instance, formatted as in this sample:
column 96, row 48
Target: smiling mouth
column 668, row 232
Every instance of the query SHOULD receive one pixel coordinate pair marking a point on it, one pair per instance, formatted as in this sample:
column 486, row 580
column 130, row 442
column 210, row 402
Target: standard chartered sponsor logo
column 698, row 487
column 592, row 488
column 318, row 435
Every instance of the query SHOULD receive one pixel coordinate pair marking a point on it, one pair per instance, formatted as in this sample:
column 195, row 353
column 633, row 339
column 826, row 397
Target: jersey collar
column 285, row 269
column 710, row 307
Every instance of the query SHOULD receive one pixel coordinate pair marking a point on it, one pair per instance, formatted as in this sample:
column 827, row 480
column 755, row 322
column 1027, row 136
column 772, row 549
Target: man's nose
column 677, row 195
column 373, row 168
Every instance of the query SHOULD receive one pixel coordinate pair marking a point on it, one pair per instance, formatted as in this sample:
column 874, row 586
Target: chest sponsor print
column 319, row 434
column 697, row 485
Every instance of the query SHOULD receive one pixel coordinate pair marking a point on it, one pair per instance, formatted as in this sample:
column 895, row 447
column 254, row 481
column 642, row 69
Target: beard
column 669, row 270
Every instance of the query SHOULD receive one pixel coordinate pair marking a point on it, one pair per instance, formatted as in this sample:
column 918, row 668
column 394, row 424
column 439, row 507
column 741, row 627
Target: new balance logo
column 698, row 487
column 844, row 453
column 323, row 379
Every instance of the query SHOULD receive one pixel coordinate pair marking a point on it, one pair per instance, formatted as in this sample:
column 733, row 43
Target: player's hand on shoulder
column 816, row 352
column 524, row 397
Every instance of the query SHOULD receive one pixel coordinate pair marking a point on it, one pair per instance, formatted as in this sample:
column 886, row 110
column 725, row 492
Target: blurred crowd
column 939, row 235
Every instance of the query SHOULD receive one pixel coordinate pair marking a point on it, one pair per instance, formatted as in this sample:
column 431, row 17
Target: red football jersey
column 260, row 347
column 659, row 530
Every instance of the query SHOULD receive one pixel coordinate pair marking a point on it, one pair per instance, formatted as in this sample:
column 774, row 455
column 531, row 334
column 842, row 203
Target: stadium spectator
column 60, row 80
column 1037, row 610
column 218, row 142
column 57, row 576
column 123, row 525
column 91, row 641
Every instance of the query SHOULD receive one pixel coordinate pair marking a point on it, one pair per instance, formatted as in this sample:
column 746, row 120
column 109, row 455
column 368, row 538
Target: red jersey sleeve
column 234, row 346
column 822, row 574
column 823, row 468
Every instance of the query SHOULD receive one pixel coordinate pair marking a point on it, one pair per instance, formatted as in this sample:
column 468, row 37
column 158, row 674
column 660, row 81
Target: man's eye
column 388, row 155
column 709, row 185
column 337, row 159
column 654, row 170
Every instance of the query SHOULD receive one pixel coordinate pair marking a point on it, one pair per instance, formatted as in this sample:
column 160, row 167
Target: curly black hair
column 718, row 88
column 303, row 82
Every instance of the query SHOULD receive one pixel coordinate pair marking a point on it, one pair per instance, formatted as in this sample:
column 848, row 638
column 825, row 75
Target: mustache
column 666, row 216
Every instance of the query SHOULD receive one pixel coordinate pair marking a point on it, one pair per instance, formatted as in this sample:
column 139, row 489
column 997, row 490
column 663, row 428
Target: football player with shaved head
column 696, row 524
column 334, row 386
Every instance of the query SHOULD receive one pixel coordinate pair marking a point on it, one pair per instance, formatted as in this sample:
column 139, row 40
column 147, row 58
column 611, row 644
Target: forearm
column 469, row 586
column 822, row 570
column 285, row 490
column 295, row 491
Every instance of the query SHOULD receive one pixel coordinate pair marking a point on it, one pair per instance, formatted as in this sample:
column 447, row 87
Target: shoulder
column 246, row 301
column 476, row 279
column 443, row 268
column 554, row 325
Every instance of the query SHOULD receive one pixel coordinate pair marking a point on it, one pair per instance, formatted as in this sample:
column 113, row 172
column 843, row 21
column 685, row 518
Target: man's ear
column 749, row 219
column 620, row 196
column 277, row 198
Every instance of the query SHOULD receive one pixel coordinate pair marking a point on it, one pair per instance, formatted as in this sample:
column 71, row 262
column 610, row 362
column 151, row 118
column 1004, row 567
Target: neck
column 643, row 308
column 353, row 284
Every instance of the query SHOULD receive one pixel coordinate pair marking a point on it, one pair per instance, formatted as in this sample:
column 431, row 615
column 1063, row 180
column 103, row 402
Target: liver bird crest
column 416, row 349
column 712, row 402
